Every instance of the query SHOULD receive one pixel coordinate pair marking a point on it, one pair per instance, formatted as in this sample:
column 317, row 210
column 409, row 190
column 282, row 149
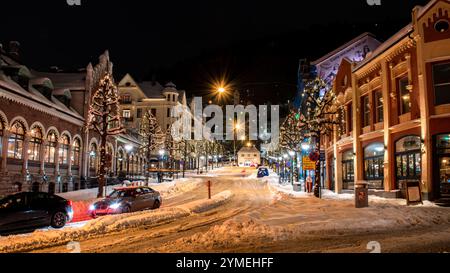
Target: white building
column 249, row 156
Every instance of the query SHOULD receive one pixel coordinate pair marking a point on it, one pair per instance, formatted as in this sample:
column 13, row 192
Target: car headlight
column 114, row 206
column 92, row 207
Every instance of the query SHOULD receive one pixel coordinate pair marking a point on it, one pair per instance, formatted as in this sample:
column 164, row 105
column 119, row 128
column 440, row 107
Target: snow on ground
column 108, row 224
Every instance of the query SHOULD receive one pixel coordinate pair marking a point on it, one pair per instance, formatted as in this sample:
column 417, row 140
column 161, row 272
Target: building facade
column 249, row 156
column 395, row 112
column 43, row 142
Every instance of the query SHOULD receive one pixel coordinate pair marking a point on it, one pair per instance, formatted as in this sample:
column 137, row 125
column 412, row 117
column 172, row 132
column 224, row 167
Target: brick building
column 43, row 143
column 396, row 111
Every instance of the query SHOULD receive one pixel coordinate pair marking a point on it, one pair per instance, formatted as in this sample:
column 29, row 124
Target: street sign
column 308, row 164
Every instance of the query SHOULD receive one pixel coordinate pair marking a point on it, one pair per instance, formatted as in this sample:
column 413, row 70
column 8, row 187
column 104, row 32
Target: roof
column 341, row 48
column 386, row 45
column 249, row 150
column 72, row 81
column 152, row 89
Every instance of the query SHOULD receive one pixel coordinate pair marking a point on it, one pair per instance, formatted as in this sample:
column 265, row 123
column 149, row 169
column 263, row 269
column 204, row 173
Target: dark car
column 126, row 199
column 263, row 172
column 30, row 210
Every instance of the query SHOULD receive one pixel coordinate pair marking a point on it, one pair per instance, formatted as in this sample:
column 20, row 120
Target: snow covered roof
column 152, row 89
column 72, row 81
column 249, row 150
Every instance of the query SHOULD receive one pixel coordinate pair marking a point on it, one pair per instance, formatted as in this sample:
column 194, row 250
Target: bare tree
column 104, row 118
column 151, row 136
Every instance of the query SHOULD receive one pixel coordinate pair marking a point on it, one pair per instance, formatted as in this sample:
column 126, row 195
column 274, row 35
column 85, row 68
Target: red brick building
column 396, row 111
column 43, row 142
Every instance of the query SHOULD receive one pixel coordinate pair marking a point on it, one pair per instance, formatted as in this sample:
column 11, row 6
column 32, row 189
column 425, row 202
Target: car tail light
column 70, row 203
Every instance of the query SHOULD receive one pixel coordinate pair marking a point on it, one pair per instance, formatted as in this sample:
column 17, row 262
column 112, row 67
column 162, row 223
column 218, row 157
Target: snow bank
column 108, row 224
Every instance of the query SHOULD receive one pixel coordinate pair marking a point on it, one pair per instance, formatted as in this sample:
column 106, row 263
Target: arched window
column 93, row 156
column 35, row 144
column 76, row 150
column 374, row 164
column 15, row 143
column 63, row 156
column 50, row 147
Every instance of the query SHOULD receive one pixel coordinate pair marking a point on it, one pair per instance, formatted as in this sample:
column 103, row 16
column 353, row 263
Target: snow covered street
column 247, row 214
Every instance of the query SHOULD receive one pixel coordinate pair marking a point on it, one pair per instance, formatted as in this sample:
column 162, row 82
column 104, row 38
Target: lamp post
column 128, row 148
column 292, row 155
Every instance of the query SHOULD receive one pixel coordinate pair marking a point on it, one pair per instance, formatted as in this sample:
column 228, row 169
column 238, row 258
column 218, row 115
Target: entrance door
column 443, row 166
column 348, row 170
column 407, row 161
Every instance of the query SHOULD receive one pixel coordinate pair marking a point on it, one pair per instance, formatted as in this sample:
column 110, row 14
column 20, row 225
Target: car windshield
column 119, row 193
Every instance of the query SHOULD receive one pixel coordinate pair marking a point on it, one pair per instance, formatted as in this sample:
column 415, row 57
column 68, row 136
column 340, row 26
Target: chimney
column 14, row 47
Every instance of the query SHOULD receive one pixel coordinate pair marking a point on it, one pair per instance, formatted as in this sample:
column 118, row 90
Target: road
column 259, row 219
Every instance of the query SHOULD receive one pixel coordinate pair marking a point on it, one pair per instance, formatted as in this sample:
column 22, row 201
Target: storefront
column 348, row 170
column 408, row 160
column 374, row 165
column 443, row 165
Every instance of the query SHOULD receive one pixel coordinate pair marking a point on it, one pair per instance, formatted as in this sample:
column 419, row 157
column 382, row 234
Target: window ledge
column 442, row 109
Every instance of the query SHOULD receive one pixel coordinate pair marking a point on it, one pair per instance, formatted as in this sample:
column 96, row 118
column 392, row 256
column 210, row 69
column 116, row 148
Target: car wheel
column 126, row 209
column 59, row 219
column 156, row 205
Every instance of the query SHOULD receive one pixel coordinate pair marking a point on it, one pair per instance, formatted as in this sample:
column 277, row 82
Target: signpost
column 413, row 193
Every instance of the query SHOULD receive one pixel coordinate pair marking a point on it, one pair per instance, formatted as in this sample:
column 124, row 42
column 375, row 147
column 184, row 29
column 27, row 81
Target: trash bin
column 361, row 195
column 297, row 186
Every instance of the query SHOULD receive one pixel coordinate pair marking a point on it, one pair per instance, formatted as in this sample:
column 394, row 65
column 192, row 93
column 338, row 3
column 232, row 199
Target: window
column 15, row 143
column 366, row 111
column 442, row 26
column 405, row 103
column 63, row 156
column 441, row 83
column 35, row 144
column 408, row 160
column 126, row 113
column 50, row 147
column 168, row 112
column 126, row 99
column 153, row 111
column 93, row 157
column 76, row 149
column 379, row 106
column 139, row 113
column 374, row 162
column 168, row 97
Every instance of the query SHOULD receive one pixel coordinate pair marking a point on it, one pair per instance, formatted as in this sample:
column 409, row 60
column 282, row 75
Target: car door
column 148, row 198
column 38, row 209
column 137, row 203
column 13, row 213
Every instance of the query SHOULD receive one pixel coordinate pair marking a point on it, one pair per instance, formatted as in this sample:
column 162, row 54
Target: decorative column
column 389, row 161
column 4, row 166
column 26, row 144
column 357, row 149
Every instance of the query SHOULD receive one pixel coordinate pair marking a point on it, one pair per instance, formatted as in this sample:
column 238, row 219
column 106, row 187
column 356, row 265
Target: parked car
column 31, row 210
column 126, row 199
column 263, row 172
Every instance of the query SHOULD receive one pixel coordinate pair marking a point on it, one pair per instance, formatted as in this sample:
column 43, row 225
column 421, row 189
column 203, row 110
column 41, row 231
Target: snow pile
column 330, row 195
column 205, row 205
column 108, row 224
column 276, row 188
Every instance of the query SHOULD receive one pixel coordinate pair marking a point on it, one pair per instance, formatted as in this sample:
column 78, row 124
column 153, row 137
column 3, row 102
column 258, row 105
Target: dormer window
column 128, row 84
column 126, row 99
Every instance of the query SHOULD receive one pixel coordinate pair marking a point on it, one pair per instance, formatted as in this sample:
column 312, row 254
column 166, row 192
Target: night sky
column 256, row 44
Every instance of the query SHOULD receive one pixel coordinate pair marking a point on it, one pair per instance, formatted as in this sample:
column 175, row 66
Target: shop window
column 50, row 147
column 405, row 97
column 366, row 111
column 35, row 144
column 374, row 162
column 16, row 139
column 441, row 83
column 63, row 154
column 443, row 153
column 408, row 160
column 379, row 106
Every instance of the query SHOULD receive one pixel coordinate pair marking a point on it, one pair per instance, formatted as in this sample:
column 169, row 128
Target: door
column 149, row 197
column 442, row 167
column 138, row 200
column 38, row 209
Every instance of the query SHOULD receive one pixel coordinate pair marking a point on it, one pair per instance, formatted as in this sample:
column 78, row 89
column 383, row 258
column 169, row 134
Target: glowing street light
column 291, row 153
column 128, row 147
column 305, row 146
column 221, row 90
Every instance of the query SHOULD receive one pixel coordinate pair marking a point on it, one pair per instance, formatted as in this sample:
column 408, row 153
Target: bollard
column 209, row 189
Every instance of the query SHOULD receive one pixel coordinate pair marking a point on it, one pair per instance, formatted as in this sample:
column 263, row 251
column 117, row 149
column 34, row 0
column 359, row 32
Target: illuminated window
column 15, row 143
column 35, row 144
column 379, row 106
column 63, row 155
column 374, row 162
column 366, row 111
column 405, row 97
column 126, row 113
column 50, row 148
column 93, row 156
column 76, row 149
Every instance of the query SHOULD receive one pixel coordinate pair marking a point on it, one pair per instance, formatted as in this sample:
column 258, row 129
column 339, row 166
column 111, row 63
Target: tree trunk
column 317, row 185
